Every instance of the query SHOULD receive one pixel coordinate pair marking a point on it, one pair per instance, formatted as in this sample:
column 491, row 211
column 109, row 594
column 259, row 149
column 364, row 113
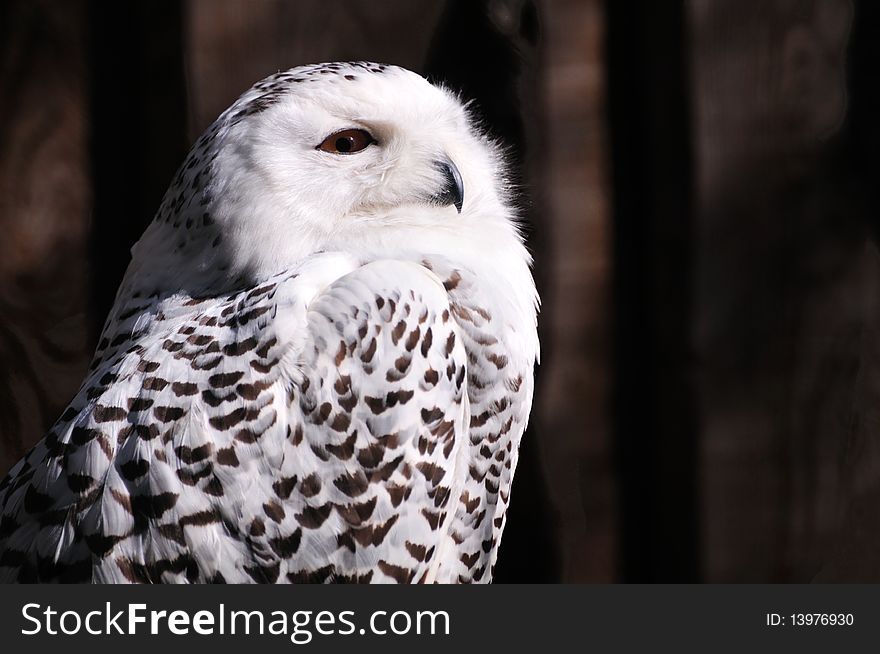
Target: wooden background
column 702, row 204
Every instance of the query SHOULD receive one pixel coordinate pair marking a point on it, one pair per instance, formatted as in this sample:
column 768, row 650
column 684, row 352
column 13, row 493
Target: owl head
column 362, row 158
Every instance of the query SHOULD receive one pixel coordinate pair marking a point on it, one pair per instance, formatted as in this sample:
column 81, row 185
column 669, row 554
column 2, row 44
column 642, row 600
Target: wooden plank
column 654, row 408
column 781, row 282
column 853, row 553
column 44, row 216
column 573, row 265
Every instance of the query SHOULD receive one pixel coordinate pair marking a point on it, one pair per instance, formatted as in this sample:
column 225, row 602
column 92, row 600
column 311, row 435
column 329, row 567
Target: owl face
column 359, row 157
column 344, row 153
column 357, row 144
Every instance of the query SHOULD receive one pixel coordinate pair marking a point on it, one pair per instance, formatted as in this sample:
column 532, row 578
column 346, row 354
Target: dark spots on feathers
column 227, row 457
column 134, row 469
column 400, row 574
column 154, row 384
column 376, row 404
column 136, row 404
column 432, row 472
column 352, row 484
column 247, row 436
column 257, row 528
column 135, row 573
column 284, row 487
column 367, row 355
column 342, row 386
column 313, row 517
column 344, row 450
column 274, row 511
column 323, row 413
column 310, row 486
column 101, row 544
column 427, row 342
column 168, row 413
column 453, row 281
column 450, row 343
column 213, row 399
column 348, row 403
column 319, row 576
column 200, row 519
column 398, row 493
column 357, row 514
column 267, row 574
column 434, row 518
column 83, row 435
column 182, row 389
column 143, row 432
column 264, row 368
column 252, row 391
column 418, row 552
column 383, row 473
column 237, row 349
column 469, row 560
column 103, row 413
column 393, row 397
column 286, row 546
column 206, row 364
column 432, row 415
column 152, row 507
column 193, row 455
column 201, row 340
column 398, row 331
column 78, row 483
column 222, row 380
column 366, row 535
column 341, row 422
column 233, row 418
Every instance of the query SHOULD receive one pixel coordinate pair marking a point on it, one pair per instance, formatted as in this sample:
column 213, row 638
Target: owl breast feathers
column 319, row 364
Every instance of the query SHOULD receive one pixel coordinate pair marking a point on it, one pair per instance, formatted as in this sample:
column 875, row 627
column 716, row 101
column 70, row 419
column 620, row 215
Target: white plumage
column 319, row 363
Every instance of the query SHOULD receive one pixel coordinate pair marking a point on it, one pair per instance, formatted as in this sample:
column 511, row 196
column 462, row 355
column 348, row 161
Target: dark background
column 701, row 189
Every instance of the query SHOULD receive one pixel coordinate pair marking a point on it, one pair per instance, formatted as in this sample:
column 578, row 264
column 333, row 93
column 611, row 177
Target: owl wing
column 383, row 411
column 297, row 431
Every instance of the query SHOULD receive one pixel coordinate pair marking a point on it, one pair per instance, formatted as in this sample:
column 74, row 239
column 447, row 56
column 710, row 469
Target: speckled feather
column 299, row 390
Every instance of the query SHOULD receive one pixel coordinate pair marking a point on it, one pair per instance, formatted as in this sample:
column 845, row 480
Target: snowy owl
column 319, row 363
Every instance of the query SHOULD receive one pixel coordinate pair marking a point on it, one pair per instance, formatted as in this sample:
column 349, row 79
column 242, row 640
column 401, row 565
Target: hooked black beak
column 452, row 191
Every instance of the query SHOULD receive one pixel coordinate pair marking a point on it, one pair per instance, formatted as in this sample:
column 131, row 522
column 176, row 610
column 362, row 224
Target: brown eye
column 348, row 141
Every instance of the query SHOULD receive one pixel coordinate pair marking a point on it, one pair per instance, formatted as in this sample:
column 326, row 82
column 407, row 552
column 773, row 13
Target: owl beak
column 452, row 191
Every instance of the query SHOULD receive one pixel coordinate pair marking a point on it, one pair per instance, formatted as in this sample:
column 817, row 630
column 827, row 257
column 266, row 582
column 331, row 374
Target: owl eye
column 347, row 141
